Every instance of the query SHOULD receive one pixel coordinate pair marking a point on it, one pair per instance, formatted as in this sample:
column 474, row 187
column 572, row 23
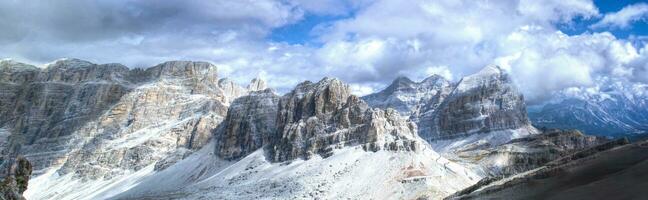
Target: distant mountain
column 483, row 102
column 481, row 122
column 612, row 108
column 407, row 96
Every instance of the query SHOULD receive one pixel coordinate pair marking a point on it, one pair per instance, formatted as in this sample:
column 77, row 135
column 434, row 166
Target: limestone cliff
column 101, row 121
column 250, row 121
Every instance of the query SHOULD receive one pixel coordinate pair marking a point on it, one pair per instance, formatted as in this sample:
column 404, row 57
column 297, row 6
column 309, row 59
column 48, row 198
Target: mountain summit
column 407, row 96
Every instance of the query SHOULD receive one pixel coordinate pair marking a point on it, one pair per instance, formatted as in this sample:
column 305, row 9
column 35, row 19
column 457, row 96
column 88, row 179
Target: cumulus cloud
column 131, row 31
column 624, row 17
column 388, row 39
column 373, row 42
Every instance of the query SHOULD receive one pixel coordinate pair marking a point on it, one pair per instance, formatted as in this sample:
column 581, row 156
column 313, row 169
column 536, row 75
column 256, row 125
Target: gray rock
column 480, row 103
column 100, row 121
column 523, row 154
column 250, row 121
column 257, row 84
column 317, row 117
column 15, row 174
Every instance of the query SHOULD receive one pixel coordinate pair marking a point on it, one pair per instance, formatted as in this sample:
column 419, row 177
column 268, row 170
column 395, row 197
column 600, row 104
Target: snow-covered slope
column 324, row 140
column 349, row 173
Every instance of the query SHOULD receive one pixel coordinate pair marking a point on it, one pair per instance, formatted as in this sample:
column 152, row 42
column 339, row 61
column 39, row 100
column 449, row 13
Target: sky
column 546, row 46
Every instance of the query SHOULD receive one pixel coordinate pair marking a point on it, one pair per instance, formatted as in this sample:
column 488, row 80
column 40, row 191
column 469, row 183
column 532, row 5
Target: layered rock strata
column 100, row 121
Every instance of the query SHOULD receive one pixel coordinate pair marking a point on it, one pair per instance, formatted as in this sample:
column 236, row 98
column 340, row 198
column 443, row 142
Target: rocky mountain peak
column 316, row 117
column 75, row 71
column 407, row 96
column 434, row 81
column 69, row 63
column 9, row 64
column 257, row 84
column 186, row 69
column 315, row 99
column 249, row 124
column 402, row 81
column 231, row 89
column 487, row 75
column 483, row 102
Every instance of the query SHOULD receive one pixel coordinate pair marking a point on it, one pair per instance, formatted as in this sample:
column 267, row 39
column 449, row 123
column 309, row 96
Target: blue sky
column 580, row 25
column 547, row 46
column 302, row 32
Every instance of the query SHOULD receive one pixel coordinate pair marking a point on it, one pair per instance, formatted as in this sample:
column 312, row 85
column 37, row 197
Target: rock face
column 484, row 102
column 313, row 119
column 101, row 121
column 257, row 84
column 317, row 117
column 43, row 107
column 250, row 121
column 16, row 173
column 409, row 97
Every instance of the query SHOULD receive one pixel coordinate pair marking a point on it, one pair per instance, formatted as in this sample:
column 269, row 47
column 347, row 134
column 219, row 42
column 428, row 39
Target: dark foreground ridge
column 616, row 170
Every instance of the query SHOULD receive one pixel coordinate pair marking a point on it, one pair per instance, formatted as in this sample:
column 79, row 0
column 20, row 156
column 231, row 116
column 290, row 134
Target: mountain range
column 78, row 130
column 613, row 108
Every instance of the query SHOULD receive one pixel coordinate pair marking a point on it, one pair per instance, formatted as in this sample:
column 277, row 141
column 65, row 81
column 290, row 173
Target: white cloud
column 439, row 70
column 380, row 40
column 464, row 36
column 361, row 90
column 624, row 17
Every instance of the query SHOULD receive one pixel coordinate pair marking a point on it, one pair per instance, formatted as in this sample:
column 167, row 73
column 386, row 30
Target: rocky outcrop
column 410, row 98
column 614, row 169
column 257, row 84
column 527, row 153
column 231, row 89
column 480, row 103
column 15, row 174
column 101, row 121
column 317, row 117
column 250, row 121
